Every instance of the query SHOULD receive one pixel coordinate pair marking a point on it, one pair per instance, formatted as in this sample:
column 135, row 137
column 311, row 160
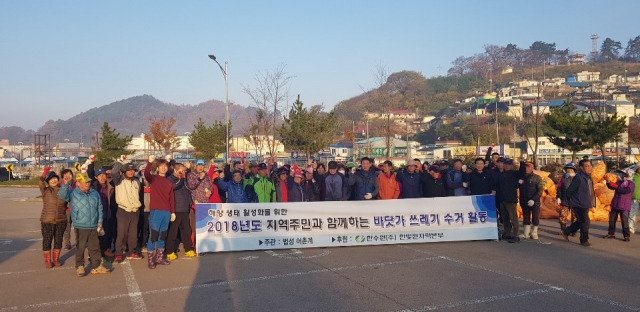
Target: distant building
column 587, row 76
column 576, row 59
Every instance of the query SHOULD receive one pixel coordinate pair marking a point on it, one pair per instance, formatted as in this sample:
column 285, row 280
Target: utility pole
column 368, row 142
column 353, row 146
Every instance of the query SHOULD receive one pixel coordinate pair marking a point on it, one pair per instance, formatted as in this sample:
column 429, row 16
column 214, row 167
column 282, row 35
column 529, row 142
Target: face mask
column 572, row 174
column 341, row 171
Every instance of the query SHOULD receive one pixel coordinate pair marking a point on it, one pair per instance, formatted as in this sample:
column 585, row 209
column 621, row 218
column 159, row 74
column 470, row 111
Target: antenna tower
column 594, row 45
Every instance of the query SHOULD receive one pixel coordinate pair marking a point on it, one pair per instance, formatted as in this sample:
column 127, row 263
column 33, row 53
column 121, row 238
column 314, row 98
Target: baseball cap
column 200, row 162
column 508, row 161
column 444, row 163
column 501, row 159
column 82, row 177
column 435, row 168
column 128, row 167
column 101, row 171
column 262, row 166
column 411, row 162
column 333, row 165
column 253, row 165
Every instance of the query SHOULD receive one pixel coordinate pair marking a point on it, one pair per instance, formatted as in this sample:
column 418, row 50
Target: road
column 460, row 276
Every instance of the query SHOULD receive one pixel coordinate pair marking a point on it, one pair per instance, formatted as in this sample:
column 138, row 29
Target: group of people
column 123, row 211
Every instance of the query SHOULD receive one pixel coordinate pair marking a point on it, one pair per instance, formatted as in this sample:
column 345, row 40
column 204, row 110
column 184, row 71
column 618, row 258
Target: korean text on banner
column 230, row 227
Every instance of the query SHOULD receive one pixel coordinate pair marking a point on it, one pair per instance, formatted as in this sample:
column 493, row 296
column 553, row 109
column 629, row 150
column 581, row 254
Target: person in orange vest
column 389, row 187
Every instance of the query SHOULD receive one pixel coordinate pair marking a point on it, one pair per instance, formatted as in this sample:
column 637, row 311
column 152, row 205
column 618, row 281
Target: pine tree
column 111, row 145
column 209, row 141
column 566, row 128
column 307, row 130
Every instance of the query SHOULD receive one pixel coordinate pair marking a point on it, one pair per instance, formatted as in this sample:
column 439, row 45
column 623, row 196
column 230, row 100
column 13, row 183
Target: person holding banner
column 389, row 187
column 238, row 191
column 454, row 179
column 264, row 188
column 410, row 180
column 432, row 184
column 364, row 182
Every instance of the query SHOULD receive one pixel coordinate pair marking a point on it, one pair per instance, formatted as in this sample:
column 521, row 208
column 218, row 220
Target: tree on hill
column 632, row 52
column 162, row 135
column 609, row 50
column 209, row 141
column 566, row 129
column 112, row 145
column 602, row 129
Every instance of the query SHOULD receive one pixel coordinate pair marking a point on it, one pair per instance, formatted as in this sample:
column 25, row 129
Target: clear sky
column 59, row 58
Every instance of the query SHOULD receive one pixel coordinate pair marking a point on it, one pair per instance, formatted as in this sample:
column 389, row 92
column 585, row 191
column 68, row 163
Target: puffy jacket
column 198, row 187
column 127, row 191
column 531, row 188
column 481, row 183
column 313, row 190
column 411, row 187
column 454, row 183
column 364, row 182
column 297, row 193
column 636, row 181
column 86, row 208
column 237, row 192
column 53, row 207
column 562, row 186
column 389, row 187
column 336, row 187
column 623, row 197
column 265, row 190
column 432, row 187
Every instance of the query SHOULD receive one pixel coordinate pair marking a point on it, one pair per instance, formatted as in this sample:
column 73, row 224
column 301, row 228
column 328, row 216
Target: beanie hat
column 50, row 175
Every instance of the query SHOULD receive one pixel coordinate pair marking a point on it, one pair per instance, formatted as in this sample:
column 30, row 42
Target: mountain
column 132, row 117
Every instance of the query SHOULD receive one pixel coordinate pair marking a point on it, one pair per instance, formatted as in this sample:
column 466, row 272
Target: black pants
column 624, row 218
column 143, row 228
column 127, row 237
column 55, row 231
column 530, row 214
column 87, row 239
column 509, row 213
column 181, row 223
column 582, row 214
column 105, row 240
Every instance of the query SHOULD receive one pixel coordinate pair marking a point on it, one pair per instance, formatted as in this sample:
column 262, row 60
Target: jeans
column 633, row 216
column 624, row 219
column 582, row 214
column 158, row 226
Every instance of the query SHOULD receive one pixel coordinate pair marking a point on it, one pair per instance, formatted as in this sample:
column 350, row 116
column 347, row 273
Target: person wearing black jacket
column 183, row 201
column 311, row 186
column 507, row 196
column 491, row 159
column 432, row 183
column 481, row 181
column 530, row 186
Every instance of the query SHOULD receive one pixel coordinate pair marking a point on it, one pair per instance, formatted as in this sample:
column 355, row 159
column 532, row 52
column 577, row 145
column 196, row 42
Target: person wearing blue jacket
column 237, row 190
column 410, row 180
column 86, row 215
column 364, row 182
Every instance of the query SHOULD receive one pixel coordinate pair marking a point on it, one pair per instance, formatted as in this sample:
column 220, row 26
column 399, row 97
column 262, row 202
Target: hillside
column 131, row 117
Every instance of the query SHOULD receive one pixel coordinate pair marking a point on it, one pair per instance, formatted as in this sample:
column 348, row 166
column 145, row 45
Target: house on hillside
column 588, row 76
column 576, row 59
column 633, row 77
column 341, row 149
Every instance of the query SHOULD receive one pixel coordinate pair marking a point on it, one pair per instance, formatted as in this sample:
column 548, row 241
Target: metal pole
column 497, row 124
column 226, row 86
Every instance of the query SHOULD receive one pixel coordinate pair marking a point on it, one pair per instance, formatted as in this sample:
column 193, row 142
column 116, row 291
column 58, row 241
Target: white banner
column 229, row 227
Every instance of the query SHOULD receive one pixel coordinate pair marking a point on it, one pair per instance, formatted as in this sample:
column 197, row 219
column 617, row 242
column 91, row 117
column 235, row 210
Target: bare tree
column 380, row 101
column 270, row 96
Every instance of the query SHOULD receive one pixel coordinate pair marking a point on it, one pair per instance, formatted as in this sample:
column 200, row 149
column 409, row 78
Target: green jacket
column 636, row 180
column 265, row 190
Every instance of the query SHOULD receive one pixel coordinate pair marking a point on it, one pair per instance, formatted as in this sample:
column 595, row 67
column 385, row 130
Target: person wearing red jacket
column 162, row 210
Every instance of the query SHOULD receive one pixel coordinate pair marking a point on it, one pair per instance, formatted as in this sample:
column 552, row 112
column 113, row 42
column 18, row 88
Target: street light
column 225, row 73
column 187, row 134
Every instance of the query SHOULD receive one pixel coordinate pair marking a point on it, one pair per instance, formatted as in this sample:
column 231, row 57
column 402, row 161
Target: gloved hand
column 84, row 168
column 91, row 159
column 173, row 217
column 559, row 201
column 168, row 157
column 152, row 158
column 367, row 196
column 530, row 203
column 123, row 159
column 464, row 168
column 520, row 181
column 46, row 170
column 465, row 184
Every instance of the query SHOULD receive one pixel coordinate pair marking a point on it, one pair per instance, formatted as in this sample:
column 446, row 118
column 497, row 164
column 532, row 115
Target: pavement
column 458, row 276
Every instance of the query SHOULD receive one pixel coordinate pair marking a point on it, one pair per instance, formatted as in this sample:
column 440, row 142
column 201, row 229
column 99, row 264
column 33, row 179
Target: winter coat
column 265, row 190
column 411, row 187
column 562, row 187
column 127, row 191
column 481, row 183
column 181, row 194
column 364, row 182
column 623, row 196
column 389, row 187
column 530, row 189
column 581, row 193
column 507, row 191
column 86, row 208
column 282, row 189
column 297, row 193
column 313, row 190
column 432, row 187
column 198, row 187
column 336, row 187
column 636, row 181
column 238, row 192
column 454, row 182
column 322, row 188
column 53, row 207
